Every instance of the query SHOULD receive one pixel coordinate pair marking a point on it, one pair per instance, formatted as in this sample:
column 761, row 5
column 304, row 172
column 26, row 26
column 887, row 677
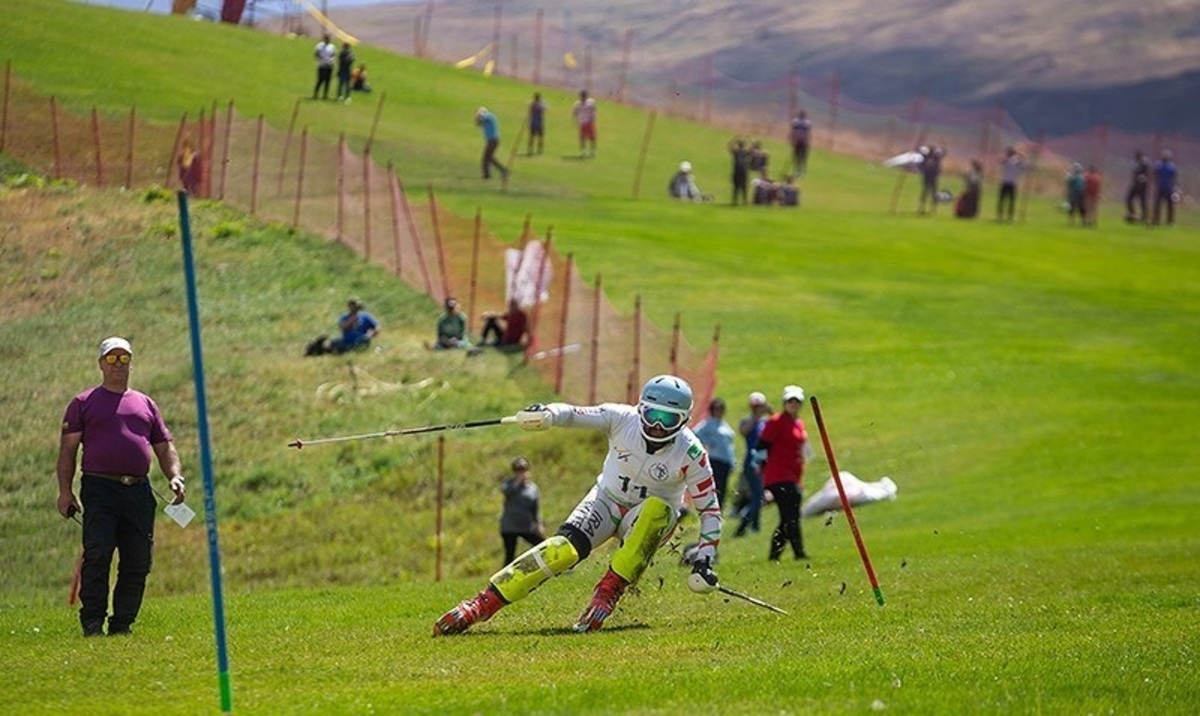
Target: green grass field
column 1030, row 388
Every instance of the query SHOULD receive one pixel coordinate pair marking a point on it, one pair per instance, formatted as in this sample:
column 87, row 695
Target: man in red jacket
column 785, row 443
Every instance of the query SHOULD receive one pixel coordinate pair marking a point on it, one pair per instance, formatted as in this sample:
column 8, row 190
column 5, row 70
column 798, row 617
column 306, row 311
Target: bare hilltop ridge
column 1058, row 66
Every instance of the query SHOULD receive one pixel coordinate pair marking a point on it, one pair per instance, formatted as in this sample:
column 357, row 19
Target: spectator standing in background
column 1075, row 194
column 487, row 122
column 717, row 437
column 345, row 65
column 750, row 427
column 931, row 171
column 537, row 123
column 1092, row 185
column 741, row 168
column 584, row 112
column 1139, row 185
column 785, row 442
column 1011, row 168
column 521, row 517
column 325, row 53
column 120, row 429
column 1165, row 176
column 801, row 139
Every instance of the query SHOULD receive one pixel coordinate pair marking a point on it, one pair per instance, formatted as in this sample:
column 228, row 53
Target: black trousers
column 489, row 158
column 1136, row 199
column 721, row 470
column 510, row 543
column 324, row 75
column 116, row 518
column 787, row 497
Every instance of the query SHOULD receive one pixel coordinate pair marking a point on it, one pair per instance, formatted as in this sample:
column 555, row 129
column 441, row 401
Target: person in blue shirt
column 486, row 121
column 718, row 437
column 358, row 328
column 1165, row 176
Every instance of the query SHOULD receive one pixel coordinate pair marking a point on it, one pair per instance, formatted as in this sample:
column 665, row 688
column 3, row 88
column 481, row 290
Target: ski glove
column 535, row 417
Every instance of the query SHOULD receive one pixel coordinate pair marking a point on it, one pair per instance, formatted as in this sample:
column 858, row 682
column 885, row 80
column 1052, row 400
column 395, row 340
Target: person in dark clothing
column 741, row 168
column 119, row 429
column 1139, row 185
column 521, row 518
column 1165, row 176
column 931, row 171
column 345, row 66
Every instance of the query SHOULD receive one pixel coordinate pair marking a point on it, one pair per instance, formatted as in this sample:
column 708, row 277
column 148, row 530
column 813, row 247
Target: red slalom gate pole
column 837, row 480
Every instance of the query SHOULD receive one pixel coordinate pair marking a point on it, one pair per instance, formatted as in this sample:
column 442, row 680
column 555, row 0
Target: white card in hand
column 181, row 513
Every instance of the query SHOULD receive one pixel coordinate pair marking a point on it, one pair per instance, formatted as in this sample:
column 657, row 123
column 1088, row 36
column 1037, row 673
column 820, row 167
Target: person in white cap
column 750, row 490
column 683, row 184
column 490, row 126
column 785, row 443
column 119, row 429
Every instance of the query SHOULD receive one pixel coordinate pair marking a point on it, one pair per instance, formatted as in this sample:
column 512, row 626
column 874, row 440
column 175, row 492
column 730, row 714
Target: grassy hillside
column 1030, row 388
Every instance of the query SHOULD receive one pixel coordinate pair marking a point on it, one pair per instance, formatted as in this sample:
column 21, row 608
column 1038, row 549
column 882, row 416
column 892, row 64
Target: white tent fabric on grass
column 857, row 492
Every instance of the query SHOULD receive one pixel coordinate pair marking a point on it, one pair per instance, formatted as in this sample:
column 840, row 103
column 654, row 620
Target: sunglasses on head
column 113, row 359
column 662, row 417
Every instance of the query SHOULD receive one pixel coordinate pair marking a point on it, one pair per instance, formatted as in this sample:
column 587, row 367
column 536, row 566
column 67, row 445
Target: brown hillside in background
column 1055, row 65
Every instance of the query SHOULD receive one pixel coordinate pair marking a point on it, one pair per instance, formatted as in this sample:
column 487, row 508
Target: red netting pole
column 793, row 94
column 129, row 149
column 416, row 237
column 708, row 88
column 635, row 370
column 171, row 164
column 438, row 244
column 512, row 52
column 394, row 192
column 497, row 16
column 225, row 152
column 1030, row 170
column 537, row 296
column 209, row 149
column 441, row 481
column 341, row 188
column 537, row 46
column 4, row 111
column 366, row 170
column 54, row 132
column 287, row 144
column 417, row 38
column 255, row 174
column 300, row 176
column 624, row 65
column 96, row 147
column 202, row 145
column 425, row 28
column 474, row 285
column 560, row 363
column 835, row 100
column 675, row 331
column 641, row 164
column 375, row 121
column 595, row 367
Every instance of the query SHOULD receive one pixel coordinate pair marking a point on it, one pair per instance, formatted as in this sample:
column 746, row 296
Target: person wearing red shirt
column 785, row 443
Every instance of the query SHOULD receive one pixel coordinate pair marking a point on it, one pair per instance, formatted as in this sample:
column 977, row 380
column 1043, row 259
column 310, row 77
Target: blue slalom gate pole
column 210, row 501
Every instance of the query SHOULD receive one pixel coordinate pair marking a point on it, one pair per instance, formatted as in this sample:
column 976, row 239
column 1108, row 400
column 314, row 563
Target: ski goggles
column 665, row 418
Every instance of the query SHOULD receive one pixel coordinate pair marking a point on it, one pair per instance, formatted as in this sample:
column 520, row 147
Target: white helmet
column 666, row 404
column 685, row 167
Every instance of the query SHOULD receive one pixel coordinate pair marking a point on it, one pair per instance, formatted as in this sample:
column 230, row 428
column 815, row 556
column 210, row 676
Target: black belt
column 123, row 479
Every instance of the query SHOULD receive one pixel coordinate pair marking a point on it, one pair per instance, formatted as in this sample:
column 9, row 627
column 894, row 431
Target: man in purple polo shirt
column 119, row 429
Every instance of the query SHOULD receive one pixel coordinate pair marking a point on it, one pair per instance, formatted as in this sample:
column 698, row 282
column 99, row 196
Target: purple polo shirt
column 118, row 430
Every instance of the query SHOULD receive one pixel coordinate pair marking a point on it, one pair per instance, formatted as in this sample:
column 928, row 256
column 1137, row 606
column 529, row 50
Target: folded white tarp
column 857, row 492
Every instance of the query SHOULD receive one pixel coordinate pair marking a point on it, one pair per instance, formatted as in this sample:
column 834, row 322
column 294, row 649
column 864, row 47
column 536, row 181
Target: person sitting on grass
column 357, row 326
column 358, row 79
column 451, row 327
